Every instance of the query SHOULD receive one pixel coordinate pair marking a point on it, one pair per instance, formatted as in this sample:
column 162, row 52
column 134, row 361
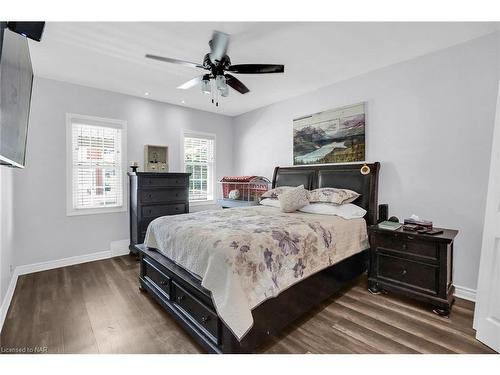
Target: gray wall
column 42, row 231
column 429, row 123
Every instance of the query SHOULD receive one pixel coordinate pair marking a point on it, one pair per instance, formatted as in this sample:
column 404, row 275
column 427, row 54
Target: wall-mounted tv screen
column 16, row 79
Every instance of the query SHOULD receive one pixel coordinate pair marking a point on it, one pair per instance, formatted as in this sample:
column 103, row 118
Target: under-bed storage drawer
column 196, row 311
column 152, row 274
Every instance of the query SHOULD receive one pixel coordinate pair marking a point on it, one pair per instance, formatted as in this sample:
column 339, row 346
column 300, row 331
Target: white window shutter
column 96, row 166
column 199, row 159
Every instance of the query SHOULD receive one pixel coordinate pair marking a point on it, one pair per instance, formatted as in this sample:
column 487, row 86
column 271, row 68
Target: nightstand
column 414, row 265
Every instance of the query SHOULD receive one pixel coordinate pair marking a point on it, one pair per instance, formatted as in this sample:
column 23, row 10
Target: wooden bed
column 180, row 293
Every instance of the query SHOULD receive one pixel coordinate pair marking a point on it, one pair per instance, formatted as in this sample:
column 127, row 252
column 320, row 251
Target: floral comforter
column 247, row 255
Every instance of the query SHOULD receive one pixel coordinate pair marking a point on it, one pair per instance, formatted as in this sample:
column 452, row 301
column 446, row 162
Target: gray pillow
column 293, row 199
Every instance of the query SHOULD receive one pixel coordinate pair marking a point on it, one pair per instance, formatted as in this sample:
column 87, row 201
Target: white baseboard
column 117, row 248
column 465, row 293
column 51, row 264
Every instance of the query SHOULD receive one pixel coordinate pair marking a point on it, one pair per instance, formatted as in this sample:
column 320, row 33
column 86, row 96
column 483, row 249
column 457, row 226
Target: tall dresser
column 153, row 195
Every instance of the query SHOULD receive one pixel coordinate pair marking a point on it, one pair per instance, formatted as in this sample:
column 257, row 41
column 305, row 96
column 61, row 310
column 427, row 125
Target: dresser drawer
column 161, row 281
column 162, row 210
column 167, row 195
column 407, row 243
column 167, row 181
column 197, row 312
column 408, row 273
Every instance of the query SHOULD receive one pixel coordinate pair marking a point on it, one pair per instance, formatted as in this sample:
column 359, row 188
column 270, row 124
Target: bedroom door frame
column 487, row 310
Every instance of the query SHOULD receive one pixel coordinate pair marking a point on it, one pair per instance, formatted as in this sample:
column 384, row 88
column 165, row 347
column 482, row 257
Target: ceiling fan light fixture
column 206, row 88
column 224, row 92
column 220, row 82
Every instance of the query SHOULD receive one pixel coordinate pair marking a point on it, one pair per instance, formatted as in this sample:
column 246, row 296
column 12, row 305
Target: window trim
column 99, row 121
column 193, row 133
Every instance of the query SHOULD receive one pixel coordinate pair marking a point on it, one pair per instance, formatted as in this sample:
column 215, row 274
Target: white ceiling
column 110, row 55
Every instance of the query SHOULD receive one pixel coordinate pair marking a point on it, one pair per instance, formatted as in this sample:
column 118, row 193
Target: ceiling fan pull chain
column 212, row 91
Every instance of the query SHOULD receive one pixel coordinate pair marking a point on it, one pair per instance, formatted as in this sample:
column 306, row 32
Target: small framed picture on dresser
column 155, row 158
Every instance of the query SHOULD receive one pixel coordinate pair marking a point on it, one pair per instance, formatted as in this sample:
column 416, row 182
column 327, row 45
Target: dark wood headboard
column 344, row 176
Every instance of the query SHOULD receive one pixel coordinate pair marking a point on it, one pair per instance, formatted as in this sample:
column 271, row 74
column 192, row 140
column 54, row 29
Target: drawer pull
column 163, row 282
column 404, row 272
column 181, row 298
column 410, row 237
column 404, row 246
column 205, row 319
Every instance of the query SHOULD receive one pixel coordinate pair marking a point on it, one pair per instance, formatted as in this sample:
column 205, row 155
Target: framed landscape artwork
column 334, row 136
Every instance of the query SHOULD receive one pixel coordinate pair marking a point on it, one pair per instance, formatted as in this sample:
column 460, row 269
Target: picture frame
column 330, row 137
column 156, row 158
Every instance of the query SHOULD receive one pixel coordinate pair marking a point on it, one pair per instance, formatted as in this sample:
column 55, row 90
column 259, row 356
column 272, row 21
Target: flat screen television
column 16, row 80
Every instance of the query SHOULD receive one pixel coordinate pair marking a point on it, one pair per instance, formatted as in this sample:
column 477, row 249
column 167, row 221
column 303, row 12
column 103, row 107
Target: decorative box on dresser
column 153, row 195
column 418, row 266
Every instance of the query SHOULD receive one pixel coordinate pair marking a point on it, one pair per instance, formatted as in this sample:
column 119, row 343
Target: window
column 199, row 160
column 96, row 158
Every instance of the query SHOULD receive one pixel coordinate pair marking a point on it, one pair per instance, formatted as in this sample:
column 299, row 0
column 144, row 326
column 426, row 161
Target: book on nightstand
column 389, row 225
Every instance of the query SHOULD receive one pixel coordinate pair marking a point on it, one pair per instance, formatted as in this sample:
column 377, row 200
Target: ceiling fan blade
column 256, row 68
column 191, row 83
column 218, row 45
column 174, row 61
column 236, row 84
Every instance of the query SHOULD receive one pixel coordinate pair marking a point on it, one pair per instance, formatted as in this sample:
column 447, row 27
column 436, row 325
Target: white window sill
column 95, row 211
column 202, row 203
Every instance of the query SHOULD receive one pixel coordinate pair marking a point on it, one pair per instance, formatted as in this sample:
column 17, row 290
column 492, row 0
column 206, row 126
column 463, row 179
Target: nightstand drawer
column 408, row 273
column 407, row 243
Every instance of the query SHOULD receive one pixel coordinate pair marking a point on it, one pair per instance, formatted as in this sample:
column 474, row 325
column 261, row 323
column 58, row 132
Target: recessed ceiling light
column 146, row 94
column 183, row 101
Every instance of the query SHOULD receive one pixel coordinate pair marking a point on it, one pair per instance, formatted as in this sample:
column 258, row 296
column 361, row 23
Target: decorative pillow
column 274, row 193
column 293, row 199
column 333, row 195
column 347, row 211
column 270, row 202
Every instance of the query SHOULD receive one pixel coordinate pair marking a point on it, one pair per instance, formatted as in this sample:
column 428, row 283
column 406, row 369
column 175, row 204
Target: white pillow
column 270, row 202
column 347, row 211
column 293, row 199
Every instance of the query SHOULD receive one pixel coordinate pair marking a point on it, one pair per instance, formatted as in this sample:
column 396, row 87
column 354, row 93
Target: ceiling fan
column 218, row 64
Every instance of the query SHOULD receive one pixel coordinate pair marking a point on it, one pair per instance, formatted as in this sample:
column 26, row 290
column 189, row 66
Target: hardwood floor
column 97, row 308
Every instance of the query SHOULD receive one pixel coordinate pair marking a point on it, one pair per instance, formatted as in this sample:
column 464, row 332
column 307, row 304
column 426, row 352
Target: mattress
column 247, row 255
